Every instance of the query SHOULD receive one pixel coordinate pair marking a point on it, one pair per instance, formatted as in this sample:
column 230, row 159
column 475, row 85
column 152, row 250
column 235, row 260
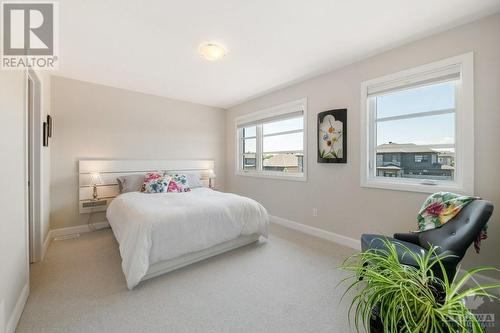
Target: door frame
column 33, row 209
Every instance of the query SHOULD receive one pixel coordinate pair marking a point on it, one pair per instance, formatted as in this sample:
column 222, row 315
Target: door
column 30, row 103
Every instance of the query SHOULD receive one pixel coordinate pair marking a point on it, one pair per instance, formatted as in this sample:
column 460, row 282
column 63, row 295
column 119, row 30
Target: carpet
column 287, row 283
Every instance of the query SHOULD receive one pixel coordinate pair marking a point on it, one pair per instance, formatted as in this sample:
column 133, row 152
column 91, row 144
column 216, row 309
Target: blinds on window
column 295, row 114
column 445, row 74
column 293, row 109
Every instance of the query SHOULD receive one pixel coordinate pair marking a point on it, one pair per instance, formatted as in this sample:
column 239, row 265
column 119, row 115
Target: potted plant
column 394, row 298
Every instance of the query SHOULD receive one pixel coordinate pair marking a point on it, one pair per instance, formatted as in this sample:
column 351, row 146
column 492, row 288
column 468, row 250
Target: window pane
column 409, row 148
column 249, row 145
column 283, row 125
column 427, row 98
column 284, row 142
column 430, row 130
column 248, row 162
column 286, row 162
column 249, row 131
column 433, row 164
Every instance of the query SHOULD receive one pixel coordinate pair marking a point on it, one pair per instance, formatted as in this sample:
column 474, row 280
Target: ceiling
column 152, row 46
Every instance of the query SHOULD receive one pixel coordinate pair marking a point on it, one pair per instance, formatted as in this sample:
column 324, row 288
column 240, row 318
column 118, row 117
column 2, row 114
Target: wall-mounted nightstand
column 92, row 206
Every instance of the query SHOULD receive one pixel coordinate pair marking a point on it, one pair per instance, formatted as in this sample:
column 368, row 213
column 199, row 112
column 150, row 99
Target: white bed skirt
column 190, row 258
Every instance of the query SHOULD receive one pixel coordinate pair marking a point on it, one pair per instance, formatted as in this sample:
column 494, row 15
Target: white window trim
column 464, row 132
column 262, row 114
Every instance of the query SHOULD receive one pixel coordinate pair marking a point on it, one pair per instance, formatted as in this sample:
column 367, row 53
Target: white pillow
column 194, row 180
column 130, row 183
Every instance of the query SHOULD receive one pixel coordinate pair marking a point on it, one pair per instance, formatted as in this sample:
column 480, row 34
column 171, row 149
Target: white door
column 30, row 104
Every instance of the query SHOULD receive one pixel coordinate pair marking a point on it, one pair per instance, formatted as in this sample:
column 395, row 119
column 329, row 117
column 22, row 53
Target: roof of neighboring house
column 389, row 167
column 282, row 160
column 403, row 148
column 446, row 154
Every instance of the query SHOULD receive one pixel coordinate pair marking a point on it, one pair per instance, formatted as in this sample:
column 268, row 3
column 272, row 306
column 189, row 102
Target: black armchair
column 453, row 238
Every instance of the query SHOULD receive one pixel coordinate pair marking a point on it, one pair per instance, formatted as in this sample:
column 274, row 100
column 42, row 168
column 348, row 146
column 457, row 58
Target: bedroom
column 314, row 134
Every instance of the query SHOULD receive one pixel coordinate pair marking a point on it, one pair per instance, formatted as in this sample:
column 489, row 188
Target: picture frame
column 49, row 125
column 332, row 136
column 45, row 134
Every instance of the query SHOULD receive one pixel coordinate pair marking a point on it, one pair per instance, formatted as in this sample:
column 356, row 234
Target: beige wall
column 13, row 224
column 95, row 121
column 334, row 189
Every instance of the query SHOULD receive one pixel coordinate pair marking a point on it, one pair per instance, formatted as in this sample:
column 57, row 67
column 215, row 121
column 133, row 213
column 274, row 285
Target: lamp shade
column 95, row 178
column 211, row 174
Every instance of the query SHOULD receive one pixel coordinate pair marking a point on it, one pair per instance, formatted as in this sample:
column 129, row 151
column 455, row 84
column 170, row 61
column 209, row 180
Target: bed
column 160, row 232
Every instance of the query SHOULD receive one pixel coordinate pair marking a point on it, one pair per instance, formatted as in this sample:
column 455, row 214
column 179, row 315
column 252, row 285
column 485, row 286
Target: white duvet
column 154, row 227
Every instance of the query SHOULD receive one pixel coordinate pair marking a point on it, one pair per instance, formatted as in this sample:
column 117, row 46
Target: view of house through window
column 273, row 145
column 283, row 145
column 249, row 143
column 415, row 132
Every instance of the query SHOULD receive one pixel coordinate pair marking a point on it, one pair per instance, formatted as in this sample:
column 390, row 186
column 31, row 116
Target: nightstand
column 93, row 206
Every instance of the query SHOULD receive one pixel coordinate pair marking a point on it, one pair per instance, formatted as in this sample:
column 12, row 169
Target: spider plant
column 410, row 299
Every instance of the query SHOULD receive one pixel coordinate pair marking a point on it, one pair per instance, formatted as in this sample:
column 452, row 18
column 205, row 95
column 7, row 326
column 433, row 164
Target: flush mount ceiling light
column 212, row 51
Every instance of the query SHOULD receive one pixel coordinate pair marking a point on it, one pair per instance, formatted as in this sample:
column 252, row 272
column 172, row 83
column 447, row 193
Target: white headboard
column 109, row 170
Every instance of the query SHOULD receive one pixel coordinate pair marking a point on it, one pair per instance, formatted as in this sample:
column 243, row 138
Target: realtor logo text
column 29, row 33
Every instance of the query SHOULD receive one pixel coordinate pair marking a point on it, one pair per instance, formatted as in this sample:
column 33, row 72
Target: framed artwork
column 49, row 125
column 45, row 134
column 332, row 136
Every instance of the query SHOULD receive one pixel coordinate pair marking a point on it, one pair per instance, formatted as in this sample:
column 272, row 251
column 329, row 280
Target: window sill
column 412, row 186
column 294, row 177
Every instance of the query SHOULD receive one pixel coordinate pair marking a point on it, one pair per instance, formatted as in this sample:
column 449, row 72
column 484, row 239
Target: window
column 271, row 142
column 418, row 128
column 421, row 158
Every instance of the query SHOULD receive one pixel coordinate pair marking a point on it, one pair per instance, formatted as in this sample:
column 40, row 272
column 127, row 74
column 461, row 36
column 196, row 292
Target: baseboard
column 355, row 244
column 2, row 316
column 18, row 310
column 313, row 231
column 45, row 246
column 483, row 280
column 78, row 229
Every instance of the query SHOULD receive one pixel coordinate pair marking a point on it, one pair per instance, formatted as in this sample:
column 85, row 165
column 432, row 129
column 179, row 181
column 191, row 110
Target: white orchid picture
column 331, row 136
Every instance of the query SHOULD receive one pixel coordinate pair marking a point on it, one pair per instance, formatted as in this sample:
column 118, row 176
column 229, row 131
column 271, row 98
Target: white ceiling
column 151, row 46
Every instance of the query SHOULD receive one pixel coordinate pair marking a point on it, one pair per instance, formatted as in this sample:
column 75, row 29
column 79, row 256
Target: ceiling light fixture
column 212, row 51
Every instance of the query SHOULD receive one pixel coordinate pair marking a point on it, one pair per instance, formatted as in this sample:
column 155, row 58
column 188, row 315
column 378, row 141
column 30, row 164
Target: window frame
column 464, row 133
column 275, row 111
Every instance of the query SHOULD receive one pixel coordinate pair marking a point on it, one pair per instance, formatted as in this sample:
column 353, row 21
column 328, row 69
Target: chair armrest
column 408, row 237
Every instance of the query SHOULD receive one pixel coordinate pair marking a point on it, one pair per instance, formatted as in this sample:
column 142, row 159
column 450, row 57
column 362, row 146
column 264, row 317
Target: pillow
column 181, row 183
column 194, row 180
column 155, row 182
column 130, row 183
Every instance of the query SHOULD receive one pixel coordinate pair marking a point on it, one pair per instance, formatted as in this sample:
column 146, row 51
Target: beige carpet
column 287, row 284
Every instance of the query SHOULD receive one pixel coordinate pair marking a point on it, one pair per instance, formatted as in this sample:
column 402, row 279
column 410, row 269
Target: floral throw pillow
column 155, row 182
column 179, row 183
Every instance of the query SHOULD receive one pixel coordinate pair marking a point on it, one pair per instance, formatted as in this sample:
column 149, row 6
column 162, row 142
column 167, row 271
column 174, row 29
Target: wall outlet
column 315, row 212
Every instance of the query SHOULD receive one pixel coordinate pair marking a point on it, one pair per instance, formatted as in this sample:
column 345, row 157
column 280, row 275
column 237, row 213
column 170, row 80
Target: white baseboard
column 45, row 246
column 2, row 316
column 313, row 231
column 483, row 280
column 18, row 310
column 356, row 244
column 78, row 229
